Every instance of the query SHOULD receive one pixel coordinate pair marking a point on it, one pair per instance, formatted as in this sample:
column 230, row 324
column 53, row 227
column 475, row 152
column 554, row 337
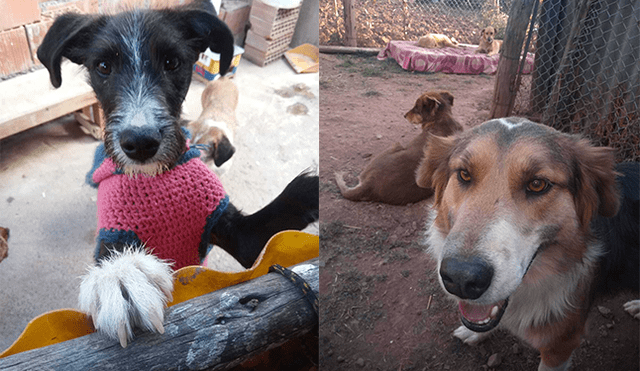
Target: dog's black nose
column 466, row 278
column 140, row 144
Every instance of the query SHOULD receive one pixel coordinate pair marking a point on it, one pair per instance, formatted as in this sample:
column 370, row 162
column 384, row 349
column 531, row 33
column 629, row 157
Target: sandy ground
column 51, row 212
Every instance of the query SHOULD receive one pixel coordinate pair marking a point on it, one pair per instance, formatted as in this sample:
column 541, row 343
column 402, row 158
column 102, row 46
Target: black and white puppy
column 140, row 64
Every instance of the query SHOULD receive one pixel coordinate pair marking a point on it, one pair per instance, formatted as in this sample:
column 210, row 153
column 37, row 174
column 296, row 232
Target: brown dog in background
column 488, row 44
column 390, row 176
column 217, row 123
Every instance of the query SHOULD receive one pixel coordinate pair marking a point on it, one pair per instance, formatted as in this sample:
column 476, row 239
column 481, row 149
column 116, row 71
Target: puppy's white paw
column 127, row 290
column 469, row 337
column 633, row 308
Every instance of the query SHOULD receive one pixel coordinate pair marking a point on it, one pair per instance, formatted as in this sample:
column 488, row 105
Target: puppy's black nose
column 466, row 278
column 140, row 144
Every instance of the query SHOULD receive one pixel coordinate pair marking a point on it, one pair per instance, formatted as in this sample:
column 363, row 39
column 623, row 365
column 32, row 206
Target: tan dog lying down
column 488, row 44
column 435, row 40
column 390, row 176
column 217, row 123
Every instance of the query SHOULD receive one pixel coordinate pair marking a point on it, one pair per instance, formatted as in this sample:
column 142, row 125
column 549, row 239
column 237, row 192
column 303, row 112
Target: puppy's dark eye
column 464, row 176
column 104, row 68
column 538, row 186
column 171, row 63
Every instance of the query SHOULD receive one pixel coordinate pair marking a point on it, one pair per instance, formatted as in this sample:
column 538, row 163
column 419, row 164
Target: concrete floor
column 51, row 212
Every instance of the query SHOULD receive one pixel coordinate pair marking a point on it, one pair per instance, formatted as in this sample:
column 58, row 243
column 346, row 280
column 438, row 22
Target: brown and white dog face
column 488, row 44
column 429, row 106
column 511, row 198
column 487, row 34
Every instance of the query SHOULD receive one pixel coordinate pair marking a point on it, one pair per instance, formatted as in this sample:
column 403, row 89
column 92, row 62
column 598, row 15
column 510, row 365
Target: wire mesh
column 380, row 21
column 586, row 76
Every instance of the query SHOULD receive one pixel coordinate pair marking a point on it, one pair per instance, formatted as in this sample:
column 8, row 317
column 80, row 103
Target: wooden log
column 216, row 331
column 350, row 22
column 330, row 49
column 504, row 92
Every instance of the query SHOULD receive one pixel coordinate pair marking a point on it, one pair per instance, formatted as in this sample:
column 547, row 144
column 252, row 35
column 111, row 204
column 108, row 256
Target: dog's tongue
column 475, row 313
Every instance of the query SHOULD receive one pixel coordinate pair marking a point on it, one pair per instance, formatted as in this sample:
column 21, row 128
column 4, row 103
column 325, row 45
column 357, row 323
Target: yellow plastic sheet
column 285, row 248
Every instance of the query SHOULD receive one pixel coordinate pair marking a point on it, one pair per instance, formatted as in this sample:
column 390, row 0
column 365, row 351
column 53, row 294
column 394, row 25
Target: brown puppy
column 390, row 176
column 434, row 40
column 217, row 123
column 488, row 44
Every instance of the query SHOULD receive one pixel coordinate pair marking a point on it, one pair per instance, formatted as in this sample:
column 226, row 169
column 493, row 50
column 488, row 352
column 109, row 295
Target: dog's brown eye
column 464, row 176
column 537, row 186
column 104, row 68
column 171, row 64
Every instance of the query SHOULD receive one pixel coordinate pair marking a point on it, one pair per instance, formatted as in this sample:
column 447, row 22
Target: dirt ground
column 381, row 304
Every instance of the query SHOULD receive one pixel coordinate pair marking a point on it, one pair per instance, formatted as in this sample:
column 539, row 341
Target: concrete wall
column 308, row 24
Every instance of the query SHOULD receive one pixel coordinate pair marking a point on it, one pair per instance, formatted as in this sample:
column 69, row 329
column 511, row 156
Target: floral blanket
column 460, row 60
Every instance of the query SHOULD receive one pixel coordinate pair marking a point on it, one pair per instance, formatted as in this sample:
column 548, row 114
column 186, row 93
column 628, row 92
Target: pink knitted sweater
column 172, row 213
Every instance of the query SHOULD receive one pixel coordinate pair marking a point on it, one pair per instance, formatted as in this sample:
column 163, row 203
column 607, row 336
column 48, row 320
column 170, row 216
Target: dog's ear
column 205, row 30
column 433, row 170
column 447, row 97
column 69, row 36
column 223, row 151
column 429, row 106
column 593, row 181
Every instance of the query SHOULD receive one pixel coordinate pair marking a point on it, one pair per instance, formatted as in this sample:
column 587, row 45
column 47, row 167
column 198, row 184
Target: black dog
column 140, row 65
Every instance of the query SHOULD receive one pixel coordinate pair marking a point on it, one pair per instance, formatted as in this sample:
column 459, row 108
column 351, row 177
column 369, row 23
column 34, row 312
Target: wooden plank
column 330, row 49
column 45, row 114
column 87, row 125
column 350, row 22
column 30, row 100
column 504, row 91
column 214, row 331
column 98, row 115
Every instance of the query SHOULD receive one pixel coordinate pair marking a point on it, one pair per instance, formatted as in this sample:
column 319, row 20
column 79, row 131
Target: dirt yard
column 381, row 304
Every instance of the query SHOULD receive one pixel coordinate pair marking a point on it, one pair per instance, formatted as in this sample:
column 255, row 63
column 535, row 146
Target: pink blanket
column 462, row 59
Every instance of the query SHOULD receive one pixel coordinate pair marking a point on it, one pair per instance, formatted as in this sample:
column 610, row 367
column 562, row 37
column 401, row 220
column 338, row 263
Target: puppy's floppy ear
column 223, row 151
column 593, row 181
column 433, row 170
column 69, row 36
column 429, row 106
column 205, row 30
column 447, row 96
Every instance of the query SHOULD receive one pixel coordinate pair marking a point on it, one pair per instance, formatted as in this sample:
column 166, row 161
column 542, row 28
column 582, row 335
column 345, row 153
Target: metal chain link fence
column 586, row 76
column 380, row 21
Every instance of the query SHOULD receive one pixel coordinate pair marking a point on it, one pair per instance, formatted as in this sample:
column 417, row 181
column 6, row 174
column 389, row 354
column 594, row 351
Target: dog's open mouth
column 482, row 318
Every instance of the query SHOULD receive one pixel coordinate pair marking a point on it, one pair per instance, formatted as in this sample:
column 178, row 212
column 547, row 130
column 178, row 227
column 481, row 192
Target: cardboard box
column 208, row 66
column 304, row 59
